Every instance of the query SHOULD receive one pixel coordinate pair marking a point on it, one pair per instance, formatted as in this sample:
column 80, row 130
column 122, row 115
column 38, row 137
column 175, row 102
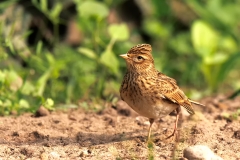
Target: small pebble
column 54, row 155
column 44, row 156
column 42, row 112
column 84, row 153
column 200, row 152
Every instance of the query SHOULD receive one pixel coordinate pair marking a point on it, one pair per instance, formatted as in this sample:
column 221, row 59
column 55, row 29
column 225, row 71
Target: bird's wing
column 163, row 76
column 170, row 91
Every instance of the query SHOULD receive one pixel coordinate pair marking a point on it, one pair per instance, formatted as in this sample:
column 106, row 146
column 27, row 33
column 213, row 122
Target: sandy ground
column 119, row 133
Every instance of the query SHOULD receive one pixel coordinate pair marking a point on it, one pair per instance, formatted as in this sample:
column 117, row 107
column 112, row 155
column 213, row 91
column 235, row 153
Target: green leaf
column 93, row 8
column 118, row 31
column 5, row 4
column 87, row 52
column 228, row 44
column 41, row 83
column 10, row 45
column 48, row 104
column 44, row 5
column 14, row 80
column 23, row 103
column 156, row 28
column 50, row 58
column 228, row 65
column 162, row 8
column 204, row 38
column 2, row 76
column 180, row 43
column 55, row 12
column 27, row 88
column 86, row 81
column 39, row 47
column 109, row 59
column 217, row 58
column 7, row 103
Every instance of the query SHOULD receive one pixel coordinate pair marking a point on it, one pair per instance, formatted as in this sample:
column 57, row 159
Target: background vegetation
column 65, row 54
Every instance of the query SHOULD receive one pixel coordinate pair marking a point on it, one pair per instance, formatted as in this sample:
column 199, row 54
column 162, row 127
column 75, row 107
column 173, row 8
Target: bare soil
column 117, row 132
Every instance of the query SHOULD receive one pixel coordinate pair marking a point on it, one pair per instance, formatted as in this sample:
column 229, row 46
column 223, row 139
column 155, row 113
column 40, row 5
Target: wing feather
column 170, row 90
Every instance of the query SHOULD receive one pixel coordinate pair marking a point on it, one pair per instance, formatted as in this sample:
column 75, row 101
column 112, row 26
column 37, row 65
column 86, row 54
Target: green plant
column 231, row 116
column 52, row 14
column 65, row 74
column 92, row 70
column 218, row 52
column 215, row 39
column 150, row 146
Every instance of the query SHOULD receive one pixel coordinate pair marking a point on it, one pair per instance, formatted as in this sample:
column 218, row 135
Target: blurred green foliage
column 195, row 42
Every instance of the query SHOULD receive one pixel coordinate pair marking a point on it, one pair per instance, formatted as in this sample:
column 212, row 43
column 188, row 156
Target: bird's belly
column 149, row 109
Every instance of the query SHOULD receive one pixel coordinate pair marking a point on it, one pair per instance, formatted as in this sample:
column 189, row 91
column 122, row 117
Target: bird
column 149, row 92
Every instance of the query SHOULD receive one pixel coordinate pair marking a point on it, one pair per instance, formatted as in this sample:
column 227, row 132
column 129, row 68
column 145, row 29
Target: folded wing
column 170, row 91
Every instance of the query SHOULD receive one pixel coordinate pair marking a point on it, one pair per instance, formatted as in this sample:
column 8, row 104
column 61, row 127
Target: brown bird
column 149, row 92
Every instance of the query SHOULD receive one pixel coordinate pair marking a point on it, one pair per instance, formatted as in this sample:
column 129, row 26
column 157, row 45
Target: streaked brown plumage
column 148, row 91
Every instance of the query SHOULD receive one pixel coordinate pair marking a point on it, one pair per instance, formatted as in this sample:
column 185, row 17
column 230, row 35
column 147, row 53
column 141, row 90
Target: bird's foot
column 173, row 134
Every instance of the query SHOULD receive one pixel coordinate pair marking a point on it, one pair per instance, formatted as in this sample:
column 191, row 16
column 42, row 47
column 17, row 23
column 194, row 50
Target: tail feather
column 194, row 102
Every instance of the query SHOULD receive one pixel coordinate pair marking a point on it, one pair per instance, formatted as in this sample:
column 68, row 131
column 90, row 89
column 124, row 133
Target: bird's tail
column 197, row 103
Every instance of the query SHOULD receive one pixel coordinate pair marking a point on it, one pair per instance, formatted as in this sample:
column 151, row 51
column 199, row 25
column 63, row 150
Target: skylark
column 149, row 92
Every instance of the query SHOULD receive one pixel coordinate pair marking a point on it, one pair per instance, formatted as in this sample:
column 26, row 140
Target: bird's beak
column 124, row 56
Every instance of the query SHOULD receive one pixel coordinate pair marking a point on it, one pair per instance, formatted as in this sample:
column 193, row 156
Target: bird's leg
column 176, row 122
column 151, row 120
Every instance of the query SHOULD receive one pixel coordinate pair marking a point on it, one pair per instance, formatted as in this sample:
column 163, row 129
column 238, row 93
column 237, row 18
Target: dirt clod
column 27, row 152
column 37, row 135
column 124, row 112
column 15, row 134
column 236, row 134
column 196, row 130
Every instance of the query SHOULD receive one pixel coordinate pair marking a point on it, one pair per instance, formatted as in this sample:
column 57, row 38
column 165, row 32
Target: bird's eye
column 139, row 57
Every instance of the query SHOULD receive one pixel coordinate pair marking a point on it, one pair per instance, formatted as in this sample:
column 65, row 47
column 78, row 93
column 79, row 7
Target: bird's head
column 139, row 59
